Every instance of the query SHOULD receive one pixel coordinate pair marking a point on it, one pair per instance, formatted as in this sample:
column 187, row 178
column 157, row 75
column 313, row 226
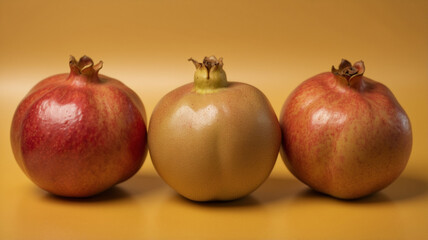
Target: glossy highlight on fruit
column 344, row 134
column 213, row 139
column 78, row 134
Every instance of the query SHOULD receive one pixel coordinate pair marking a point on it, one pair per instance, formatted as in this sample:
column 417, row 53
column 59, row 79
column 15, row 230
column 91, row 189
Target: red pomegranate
column 80, row 133
column 345, row 134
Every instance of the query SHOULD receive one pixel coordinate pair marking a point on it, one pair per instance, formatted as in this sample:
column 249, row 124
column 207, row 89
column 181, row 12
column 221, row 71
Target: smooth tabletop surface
column 273, row 45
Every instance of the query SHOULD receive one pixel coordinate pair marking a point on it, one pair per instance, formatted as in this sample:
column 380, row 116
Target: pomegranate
column 344, row 134
column 214, row 139
column 80, row 133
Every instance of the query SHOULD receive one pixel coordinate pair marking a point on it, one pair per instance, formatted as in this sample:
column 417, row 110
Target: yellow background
column 273, row 45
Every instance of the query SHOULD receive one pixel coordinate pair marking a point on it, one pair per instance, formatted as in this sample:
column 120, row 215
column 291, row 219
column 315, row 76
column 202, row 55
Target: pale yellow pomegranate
column 214, row 139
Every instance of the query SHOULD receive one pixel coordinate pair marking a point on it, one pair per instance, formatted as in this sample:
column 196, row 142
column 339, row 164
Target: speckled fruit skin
column 75, row 135
column 214, row 146
column 345, row 141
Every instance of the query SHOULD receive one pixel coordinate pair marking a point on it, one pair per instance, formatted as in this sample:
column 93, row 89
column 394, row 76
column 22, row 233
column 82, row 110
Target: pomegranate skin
column 78, row 134
column 347, row 139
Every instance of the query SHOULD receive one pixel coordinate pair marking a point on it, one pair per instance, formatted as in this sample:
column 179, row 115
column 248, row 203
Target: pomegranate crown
column 84, row 66
column 209, row 64
column 209, row 75
column 348, row 71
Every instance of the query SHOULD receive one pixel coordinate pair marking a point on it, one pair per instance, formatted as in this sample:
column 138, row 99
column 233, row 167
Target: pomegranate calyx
column 348, row 71
column 85, row 66
column 209, row 75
